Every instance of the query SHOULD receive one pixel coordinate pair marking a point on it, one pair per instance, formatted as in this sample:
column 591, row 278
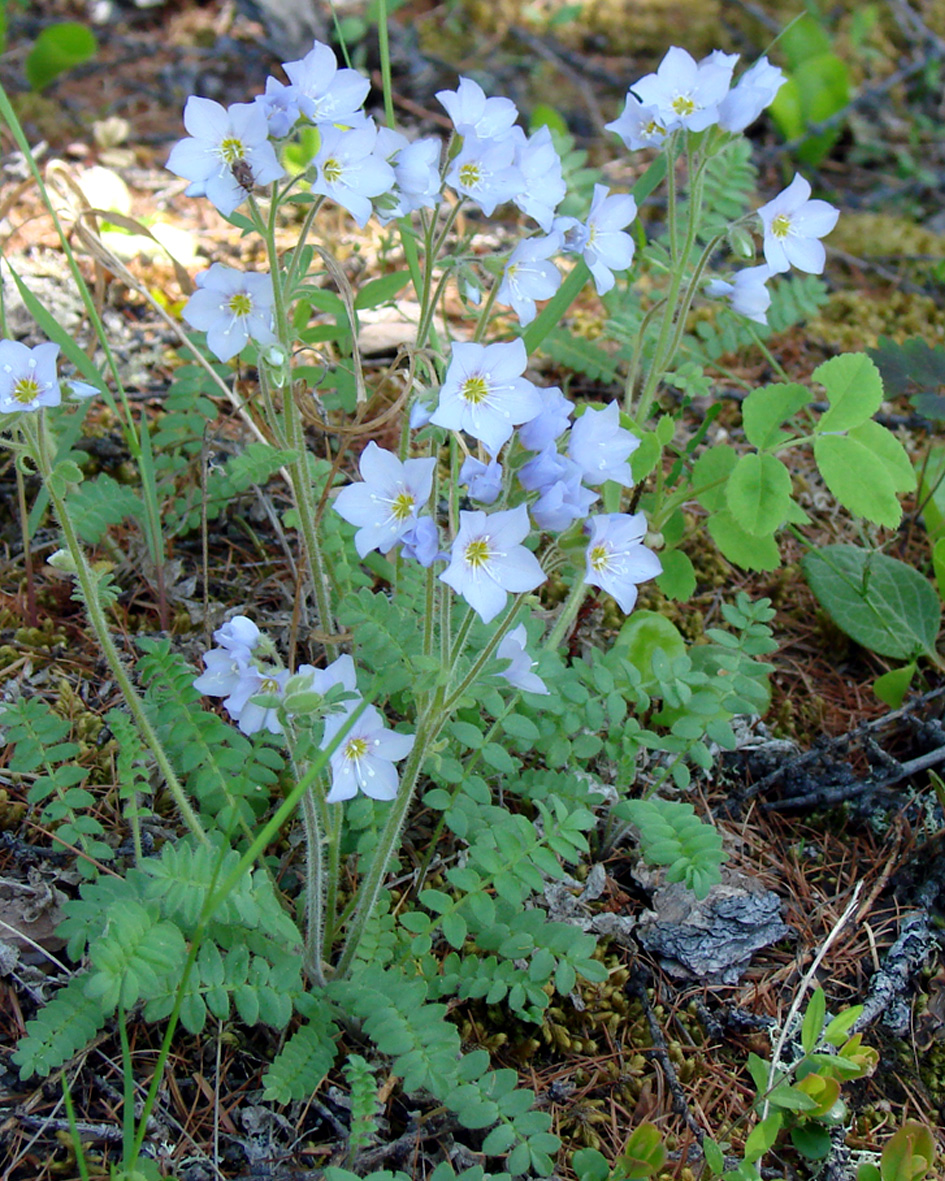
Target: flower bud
column 741, row 242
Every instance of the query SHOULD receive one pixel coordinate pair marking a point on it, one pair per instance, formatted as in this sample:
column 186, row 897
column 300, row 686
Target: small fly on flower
column 243, row 174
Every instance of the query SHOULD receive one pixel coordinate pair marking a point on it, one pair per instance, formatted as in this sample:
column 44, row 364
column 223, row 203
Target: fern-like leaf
column 59, row 1030
column 671, row 834
column 306, row 1057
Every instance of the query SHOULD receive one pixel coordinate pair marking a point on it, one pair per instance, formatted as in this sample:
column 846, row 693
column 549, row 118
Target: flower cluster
column 686, row 95
column 241, row 671
column 485, row 396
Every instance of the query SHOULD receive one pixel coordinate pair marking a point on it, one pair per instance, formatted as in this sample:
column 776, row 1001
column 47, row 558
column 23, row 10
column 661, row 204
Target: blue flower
column 348, row 170
column 617, row 560
column 562, row 503
column 794, row 225
column 28, row 377
column 755, row 90
column 421, row 543
column 485, row 394
column 551, row 423
column 232, row 307
column 228, row 148
column 386, row 504
column 528, row 276
column 607, row 248
column 474, row 114
column 485, row 171
column 746, row 293
column 484, row 481
column 519, row 673
column 600, row 446
column 540, row 165
column 364, row 761
column 640, row 125
column 324, row 93
column 487, row 560
column 238, row 636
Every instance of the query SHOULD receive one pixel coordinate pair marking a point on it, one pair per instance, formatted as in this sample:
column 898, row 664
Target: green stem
column 89, row 591
column 389, row 841
column 315, row 885
column 567, row 615
column 662, row 354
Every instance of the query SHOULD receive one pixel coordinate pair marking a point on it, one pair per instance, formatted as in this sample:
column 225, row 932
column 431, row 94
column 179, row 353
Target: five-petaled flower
column 687, row 93
column 228, row 147
column 793, row 226
column 385, row 504
column 488, row 561
column 617, row 559
column 485, row 394
column 28, row 376
column 348, row 170
column 232, row 307
column 364, row 759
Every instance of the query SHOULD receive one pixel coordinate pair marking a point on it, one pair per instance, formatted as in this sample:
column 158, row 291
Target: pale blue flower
column 386, row 504
column 485, row 171
column 607, row 248
column 600, row 446
column 488, row 561
column 755, row 90
column 528, row 276
column 545, row 469
column 348, row 170
column 519, row 673
column 639, row 124
column 238, row 636
column 28, row 377
column 563, row 502
column 340, row 672
column 686, row 93
column 551, row 423
column 221, row 138
column 747, row 292
column 421, row 543
column 485, row 394
column 326, row 94
column 416, row 168
column 474, row 114
column 484, row 481
column 543, row 187
column 227, row 674
column 280, row 104
column 617, row 560
column 364, row 760
column 793, row 226
column 232, row 307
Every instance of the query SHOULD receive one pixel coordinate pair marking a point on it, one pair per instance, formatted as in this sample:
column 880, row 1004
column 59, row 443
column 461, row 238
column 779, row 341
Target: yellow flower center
column 240, row 304
column 26, row 389
column 652, row 128
column 332, row 170
column 402, row 506
column 355, row 748
column 683, row 104
column 599, row 558
column 231, row 150
column 474, row 390
column 470, row 175
column 477, row 553
column 781, row 226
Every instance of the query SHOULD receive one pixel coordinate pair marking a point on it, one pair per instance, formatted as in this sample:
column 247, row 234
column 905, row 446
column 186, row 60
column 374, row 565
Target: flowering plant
column 434, row 621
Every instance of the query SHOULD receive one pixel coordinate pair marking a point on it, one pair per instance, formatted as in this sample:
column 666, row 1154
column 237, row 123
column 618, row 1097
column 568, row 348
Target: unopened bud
column 741, row 242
